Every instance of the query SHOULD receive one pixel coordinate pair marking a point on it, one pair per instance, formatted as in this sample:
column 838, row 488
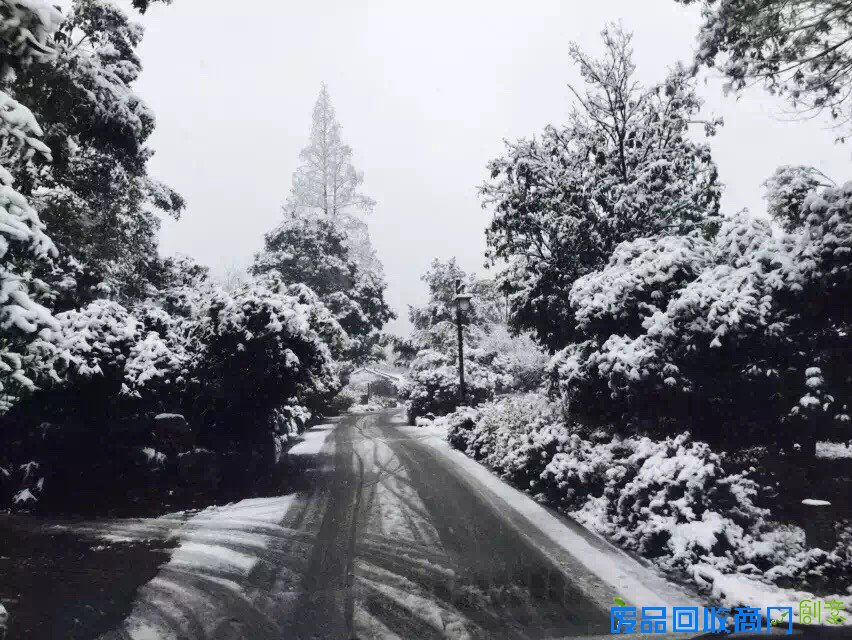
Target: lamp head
column 463, row 302
column 461, row 298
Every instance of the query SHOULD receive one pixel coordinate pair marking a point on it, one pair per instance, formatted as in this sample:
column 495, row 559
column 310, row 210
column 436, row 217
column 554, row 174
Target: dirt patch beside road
column 57, row 584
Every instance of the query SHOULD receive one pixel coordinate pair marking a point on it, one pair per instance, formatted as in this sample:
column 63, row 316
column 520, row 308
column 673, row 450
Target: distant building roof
column 395, row 378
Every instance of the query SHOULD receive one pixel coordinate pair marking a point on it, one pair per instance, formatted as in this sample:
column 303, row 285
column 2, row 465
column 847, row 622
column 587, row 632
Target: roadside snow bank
column 227, row 539
column 311, row 441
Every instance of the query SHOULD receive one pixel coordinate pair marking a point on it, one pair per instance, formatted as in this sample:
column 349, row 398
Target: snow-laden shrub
column 433, row 385
column 290, row 419
column 103, row 354
column 498, row 433
column 673, row 499
column 639, row 280
column 517, row 362
column 687, row 333
column 343, row 401
column 247, row 369
column 322, row 320
column 286, row 423
column 259, row 347
column 103, row 376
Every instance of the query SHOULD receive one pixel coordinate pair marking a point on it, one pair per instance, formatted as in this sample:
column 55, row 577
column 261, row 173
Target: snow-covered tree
column 623, row 167
column 325, row 244
column 328, row 182
column 260, row 348
column 786, row 191
column 801, row 49
column 741, row 338
column 311, row 248
column 26, row 29
column 96, row 197
column 143, row 5
column 327, row 179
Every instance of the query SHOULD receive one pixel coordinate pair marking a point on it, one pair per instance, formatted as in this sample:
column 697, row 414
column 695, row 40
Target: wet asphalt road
column 406, row 545
column 385, row 538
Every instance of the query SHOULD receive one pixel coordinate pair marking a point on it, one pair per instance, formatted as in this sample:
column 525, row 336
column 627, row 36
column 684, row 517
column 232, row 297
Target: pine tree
column 324, row 243
column 327, row 180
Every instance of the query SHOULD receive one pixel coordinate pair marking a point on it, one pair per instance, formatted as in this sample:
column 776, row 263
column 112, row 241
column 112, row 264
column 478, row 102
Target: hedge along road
column 387, row 535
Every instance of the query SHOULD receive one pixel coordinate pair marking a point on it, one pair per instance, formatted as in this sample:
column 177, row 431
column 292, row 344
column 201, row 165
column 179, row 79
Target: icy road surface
column 393, row 535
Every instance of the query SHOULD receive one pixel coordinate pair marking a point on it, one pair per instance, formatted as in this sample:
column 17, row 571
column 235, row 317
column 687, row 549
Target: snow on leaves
column 799, row 49
column 96, row 47
column 310, row 248
column 623, row 168
column 25, row 29
column 679, row 322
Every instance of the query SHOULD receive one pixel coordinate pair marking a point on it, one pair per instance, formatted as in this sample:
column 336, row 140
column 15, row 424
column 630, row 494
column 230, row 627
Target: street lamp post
column 462, row 301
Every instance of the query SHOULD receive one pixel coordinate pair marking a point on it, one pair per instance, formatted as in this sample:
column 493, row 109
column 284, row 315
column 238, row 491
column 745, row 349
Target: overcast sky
column 425, row 92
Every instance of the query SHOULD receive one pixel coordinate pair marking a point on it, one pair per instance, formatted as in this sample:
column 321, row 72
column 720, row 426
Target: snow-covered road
column 393, row 536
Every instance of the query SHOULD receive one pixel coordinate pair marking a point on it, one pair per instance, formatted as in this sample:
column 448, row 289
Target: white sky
column 425, row 92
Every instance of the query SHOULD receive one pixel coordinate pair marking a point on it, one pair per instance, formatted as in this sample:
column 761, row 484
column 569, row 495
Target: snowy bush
column 322, row 320
column 102, row 377
column 433, row 385
column 291, row 418
column 673, row 499
column 343, row 401
column 639, row 280
column 259, row 347
column 683, row 332
column 517, row 362
column 246, row 368
column 287, row 422
column 87, row 357
column 118, row 355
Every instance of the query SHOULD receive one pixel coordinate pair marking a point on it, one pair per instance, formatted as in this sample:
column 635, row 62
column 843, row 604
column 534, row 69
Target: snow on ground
column 370, row 407
column 368, row 626
column 227, row 539
column 635, row 582
column 834, row 450
column 450, row 624
column 217, row 550
column 735, row 590
column 312, row 441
